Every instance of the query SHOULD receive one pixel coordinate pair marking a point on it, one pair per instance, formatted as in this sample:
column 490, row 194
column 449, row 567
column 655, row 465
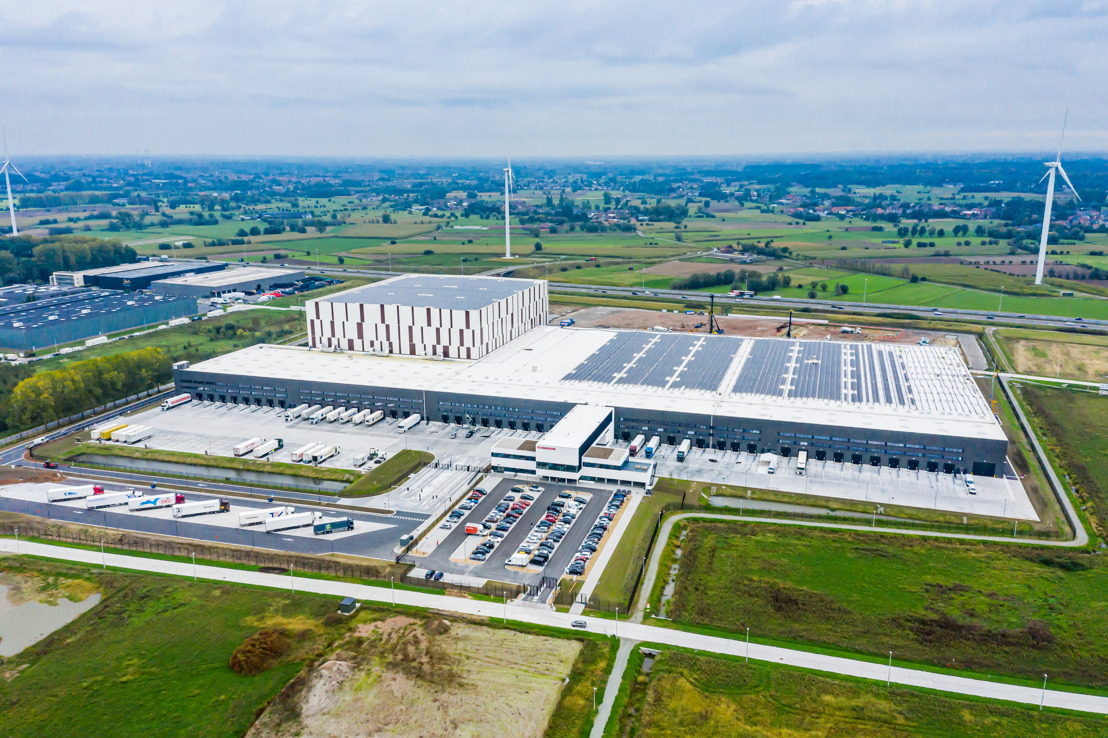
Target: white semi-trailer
column 176, row 400
column 636, row 444
column 374, row 416
column 296, row 520
column 73, row 493
column 253, row 517
column 113, row 499
column 335, row 414
column 246, row 447
column 295, row 413
column 298, row 454
column 408, row 423
column 132, row 434
column 346, row 416
column 202, row 507
column 268, row 447
column 308, row 412
column 153, row 502
column 322, row 454
column 320, row 414
column 652, row 447
column 683, row 449
column 309, row 455
column 801, row 462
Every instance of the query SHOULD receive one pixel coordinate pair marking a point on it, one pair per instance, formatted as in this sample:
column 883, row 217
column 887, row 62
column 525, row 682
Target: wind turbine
column 509, row 182
column 7, row 181
column 1051, row 168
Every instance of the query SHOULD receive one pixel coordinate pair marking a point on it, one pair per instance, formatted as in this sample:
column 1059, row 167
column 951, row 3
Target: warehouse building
column 915, row 407
column 235, row 279
column 84, row 314
column 417, row 315
column 137, row 276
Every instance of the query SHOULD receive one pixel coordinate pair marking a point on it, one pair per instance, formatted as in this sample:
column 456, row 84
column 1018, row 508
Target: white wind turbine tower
column 509, row 182
column 8, row 166
column 1051, row 168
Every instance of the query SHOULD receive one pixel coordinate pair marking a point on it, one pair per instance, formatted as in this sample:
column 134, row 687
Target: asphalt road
column 494, row 568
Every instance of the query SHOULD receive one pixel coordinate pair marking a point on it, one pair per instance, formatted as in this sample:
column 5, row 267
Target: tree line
column 59, row 393
column 745, row 279
column 29, row 259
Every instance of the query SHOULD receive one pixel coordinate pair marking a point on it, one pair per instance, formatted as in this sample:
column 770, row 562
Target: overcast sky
column 427, row 79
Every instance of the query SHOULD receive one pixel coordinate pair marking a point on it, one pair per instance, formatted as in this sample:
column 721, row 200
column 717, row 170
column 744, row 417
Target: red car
column 49, row 465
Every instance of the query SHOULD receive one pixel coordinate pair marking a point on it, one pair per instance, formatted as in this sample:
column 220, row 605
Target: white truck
column 361, row 459
column 295, row 413
column 132, row 434
column 320, row 414
column 374, row 417
column 176, row 400
column 683, row 449
column 202, row 507
column 73, row 493
column 296, row 520
column 253, row 517
column 309, row 455
column 767, row 463
column 348, row 414
column 801, row 462
column 113, row 499
column 298, row 454
column 247, row 446
column 322, row 454
column 519, row 558
column 335, row 414
column 637, row 443
column 408, row 423
column 309, row 411
column 153, row 502
column 268, row 447
column 652, row 447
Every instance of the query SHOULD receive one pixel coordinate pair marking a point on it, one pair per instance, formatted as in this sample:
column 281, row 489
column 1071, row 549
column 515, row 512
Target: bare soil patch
column 28, row 475
column 1051, row 358
column 689, row 268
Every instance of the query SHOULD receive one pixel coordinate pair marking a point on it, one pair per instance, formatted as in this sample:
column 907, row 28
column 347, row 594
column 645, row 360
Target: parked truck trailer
column 326, row 527
column 373, row 417
column 287, row 522
column 132, row 434
column 153, row 502
column 323, row 453
column 652, row 447
column 320, row 414
column 104, row 432
column 73, row 493
column 408, row 423
column 346, row 416
column 296, row 412
column 176, row 400
column 637, row 443
column 683, row 449
column 202, row 507
column 298, row 454
column 335, row 414
column 111, row 499
column 242, row 449
column 269, row 447
column 253, row 517
column 309, row 411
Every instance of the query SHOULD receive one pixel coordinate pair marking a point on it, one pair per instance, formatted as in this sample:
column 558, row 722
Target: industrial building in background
column 912, row 407
column 417, row 315
column 137, row 276
column 249, row 279
column 81, row 314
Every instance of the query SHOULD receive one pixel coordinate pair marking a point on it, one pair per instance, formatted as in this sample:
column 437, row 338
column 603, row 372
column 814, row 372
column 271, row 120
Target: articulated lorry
column 346, row 416
column 373, row 417
column 112, row 499
column 132, row 434
column 153, row 502
column 801, row 462
column 636, row 444
column 253, row 517
column 319, row 415
column 202, row 507
column 298, row 454
column 295, row 413
column 73, row 493
column 408, row 423
column 335, row 414
column 683, row 449
column 326, row 527
column 176, row 400
column 296, row 520
column 308, row 412
column 246, row 447
column 323, row 453
column 652, row 447
column 269, row 447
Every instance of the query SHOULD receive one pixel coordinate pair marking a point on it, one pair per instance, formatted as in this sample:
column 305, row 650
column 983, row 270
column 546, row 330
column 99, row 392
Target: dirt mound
column 322, row 691
column 28, row 475
column 384, row 626
column 437, row 626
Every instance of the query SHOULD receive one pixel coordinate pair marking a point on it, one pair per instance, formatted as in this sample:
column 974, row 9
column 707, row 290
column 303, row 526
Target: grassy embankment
column 1081, row 356
column 696, row 695
column 377, row 480
column 989, row 608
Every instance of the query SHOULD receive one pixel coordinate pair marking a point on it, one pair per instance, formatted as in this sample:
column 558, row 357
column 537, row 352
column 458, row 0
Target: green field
column 152, row 658
column 393, row 472
column 989, row 608
column 1076, row 425
column 695, row 695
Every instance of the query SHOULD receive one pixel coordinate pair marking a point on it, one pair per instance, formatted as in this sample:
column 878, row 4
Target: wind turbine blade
column 1063, row 136
column 1060, row 171
column 1044, row 176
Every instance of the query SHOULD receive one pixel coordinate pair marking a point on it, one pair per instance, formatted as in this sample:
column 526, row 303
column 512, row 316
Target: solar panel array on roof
column 659, row 360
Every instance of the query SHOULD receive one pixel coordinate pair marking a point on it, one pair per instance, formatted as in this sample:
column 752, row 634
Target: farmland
column 982, row 607
column 1052, row 354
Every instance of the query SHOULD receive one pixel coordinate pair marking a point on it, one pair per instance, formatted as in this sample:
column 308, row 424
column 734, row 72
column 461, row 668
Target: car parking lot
column 454, row 547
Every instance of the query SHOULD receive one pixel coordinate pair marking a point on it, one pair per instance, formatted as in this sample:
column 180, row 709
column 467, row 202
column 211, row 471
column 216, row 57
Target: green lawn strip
column 1076, row 425
column 950, row 604
column 692, row 694
column 632, row 676
column 219, row 462
column 390, row 474
column 614, row 585
column 1083, row 339
column 573, row 717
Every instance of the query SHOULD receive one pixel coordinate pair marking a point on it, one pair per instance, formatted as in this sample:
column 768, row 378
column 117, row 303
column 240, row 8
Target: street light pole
column 392, row 584
column 889, row 681
column 292, row 580
column 17, row 541
column 594, row 699
column 747, row 660
column 194, row 566
column 103, row 559
column 999, row 304
column 1042, row 700
column 865, row 290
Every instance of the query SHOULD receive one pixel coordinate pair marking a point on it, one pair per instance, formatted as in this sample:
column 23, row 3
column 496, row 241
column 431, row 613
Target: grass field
column 990, row 608
column 693, row 695
column 1076, row 425
column 1053, row 354
column 152, row 658
column 198, row 340
column 390, row 474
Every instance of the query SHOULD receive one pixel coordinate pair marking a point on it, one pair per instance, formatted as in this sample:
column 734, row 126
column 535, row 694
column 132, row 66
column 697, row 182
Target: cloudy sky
column 573, row 78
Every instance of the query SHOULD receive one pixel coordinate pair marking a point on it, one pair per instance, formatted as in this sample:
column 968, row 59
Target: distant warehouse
column 137, row 276
column 214, row 284
column 84, row 314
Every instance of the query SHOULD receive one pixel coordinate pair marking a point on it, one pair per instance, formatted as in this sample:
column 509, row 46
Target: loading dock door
column 913, row 464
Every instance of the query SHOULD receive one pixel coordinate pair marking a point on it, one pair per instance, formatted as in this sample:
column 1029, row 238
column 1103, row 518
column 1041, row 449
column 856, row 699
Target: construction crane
column 713, row 325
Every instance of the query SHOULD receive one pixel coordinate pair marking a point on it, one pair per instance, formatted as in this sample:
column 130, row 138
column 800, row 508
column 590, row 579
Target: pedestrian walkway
column 605, row 555
column 386, row 595
column 611, row 688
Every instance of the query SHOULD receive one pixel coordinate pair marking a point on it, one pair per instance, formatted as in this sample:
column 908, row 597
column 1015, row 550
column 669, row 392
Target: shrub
column 259, row 652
